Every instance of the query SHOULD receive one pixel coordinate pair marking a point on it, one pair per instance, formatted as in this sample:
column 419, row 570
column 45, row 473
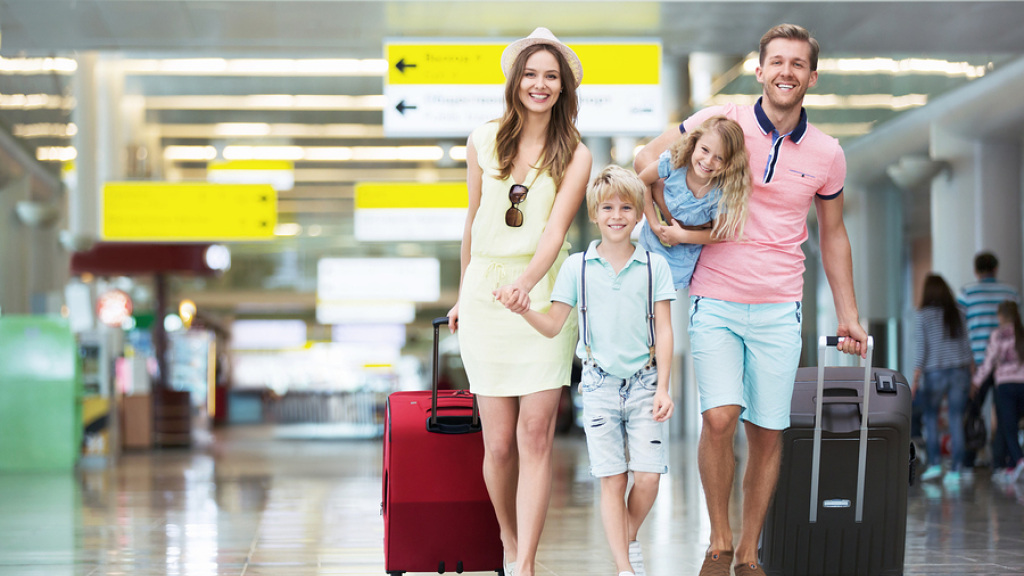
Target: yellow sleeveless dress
column 503, row 355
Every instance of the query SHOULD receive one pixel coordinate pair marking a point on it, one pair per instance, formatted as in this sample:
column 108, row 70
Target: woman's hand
column 453, row 318
column 514, row 297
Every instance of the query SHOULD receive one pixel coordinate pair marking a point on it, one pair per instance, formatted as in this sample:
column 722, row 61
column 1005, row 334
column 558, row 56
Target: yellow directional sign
column 188, row 212
column 613, row 64
column 370, row 195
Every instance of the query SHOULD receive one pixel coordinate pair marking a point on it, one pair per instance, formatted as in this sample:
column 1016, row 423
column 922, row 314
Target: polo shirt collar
column 767, row 127
column 639, row 254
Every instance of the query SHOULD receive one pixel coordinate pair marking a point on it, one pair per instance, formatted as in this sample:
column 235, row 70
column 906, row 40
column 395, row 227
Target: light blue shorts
column 618, row 413
column 746, row 355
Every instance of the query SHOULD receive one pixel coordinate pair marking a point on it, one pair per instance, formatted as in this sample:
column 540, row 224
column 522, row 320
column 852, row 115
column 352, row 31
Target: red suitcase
column 437, row 514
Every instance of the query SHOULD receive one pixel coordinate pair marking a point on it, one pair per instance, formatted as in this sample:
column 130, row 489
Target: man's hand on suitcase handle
column 853, row 339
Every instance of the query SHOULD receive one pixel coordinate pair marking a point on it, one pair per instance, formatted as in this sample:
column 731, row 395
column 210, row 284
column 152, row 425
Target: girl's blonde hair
column 733, row 178
column 562, row 137
column 615, row 181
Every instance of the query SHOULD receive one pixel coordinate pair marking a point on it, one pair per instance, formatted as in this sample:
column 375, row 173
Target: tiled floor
column 252, row 505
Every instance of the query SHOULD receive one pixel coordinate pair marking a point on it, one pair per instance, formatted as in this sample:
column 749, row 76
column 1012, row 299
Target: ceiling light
column 266, row 102
column 250, row 130
column 263, row 153
column 327, row 153
column 258, row 67
column 241, row 129
column 397, row 153
column 37, row 101
column 56, row 153
column 835, row 101
column 457, row 153
column 45, row 130
column 37, row 65
column 287, row 229
column 190, row 153
column 906, row 66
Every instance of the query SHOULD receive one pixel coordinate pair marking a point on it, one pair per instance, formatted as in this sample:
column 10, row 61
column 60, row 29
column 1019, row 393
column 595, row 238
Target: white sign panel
column 401, row 279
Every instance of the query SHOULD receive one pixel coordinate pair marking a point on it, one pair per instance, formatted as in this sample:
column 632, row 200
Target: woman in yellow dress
column 527, row 175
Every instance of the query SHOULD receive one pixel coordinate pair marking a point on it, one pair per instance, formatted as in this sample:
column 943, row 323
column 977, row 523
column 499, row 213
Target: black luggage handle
column 824, row 343
column 436, row 372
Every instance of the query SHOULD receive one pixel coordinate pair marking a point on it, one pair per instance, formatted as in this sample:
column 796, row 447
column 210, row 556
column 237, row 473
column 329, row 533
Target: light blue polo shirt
column 617, row 305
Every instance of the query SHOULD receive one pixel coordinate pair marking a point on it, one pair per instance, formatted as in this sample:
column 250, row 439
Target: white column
column 997, row 201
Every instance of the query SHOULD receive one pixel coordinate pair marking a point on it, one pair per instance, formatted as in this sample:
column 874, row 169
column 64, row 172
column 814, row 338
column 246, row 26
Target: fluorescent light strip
column 457, row 153
column 907, row 66
column 190, row 153
column 335, row 153
column 56, row 153
column 28, row 66
column 267, row 102
column 261, row 130
column 36, row 102
column 257, row 67
column 45, row 130
column 835, row 101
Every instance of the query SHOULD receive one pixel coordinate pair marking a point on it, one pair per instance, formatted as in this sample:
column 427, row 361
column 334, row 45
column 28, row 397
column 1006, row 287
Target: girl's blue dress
column 688, row 211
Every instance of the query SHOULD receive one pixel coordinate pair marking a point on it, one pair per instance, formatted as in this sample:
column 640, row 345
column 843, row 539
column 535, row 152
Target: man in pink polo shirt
column 745, row 295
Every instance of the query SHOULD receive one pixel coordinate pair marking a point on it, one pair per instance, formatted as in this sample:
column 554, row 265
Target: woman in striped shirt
column 944, row 359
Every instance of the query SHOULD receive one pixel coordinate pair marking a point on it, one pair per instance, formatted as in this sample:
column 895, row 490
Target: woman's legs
column 959, row 380
column 535, row 434
column 932, row 402
column 501, row 464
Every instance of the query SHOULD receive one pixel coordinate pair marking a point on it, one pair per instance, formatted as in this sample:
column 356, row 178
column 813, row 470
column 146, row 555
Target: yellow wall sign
column 188, row 212
column 609, row 64
column 371, row 195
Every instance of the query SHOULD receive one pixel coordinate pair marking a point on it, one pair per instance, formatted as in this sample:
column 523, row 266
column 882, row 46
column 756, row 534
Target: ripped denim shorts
column 618, row 417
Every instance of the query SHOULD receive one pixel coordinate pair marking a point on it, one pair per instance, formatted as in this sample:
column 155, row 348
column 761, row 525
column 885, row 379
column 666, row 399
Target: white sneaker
column 510, row 569
column 626, row 574
column 636, row 558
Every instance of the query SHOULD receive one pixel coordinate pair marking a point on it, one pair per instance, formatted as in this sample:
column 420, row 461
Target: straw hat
column 540, row 36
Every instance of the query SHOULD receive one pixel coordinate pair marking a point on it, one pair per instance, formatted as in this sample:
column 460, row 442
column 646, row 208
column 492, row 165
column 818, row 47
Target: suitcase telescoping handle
column 824, row 343
column 436, row 373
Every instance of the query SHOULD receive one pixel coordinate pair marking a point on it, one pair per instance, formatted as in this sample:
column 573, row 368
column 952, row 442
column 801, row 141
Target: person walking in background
column 943, row 359
column 979, row 301
column 527, row 174
column 1003, row 362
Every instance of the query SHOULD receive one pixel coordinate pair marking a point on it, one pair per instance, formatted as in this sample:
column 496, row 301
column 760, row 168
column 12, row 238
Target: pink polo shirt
column 766, row 266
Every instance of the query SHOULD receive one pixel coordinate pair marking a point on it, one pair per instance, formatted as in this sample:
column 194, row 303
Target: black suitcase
column 840, row 507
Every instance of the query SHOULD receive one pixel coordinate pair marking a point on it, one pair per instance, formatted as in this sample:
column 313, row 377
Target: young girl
column 527, row 174
column 706, row 175
column 1004, row 353
column 944, row 359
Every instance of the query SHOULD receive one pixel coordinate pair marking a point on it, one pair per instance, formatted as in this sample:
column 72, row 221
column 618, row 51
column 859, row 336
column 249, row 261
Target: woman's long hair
column 938, row 295
column 562, row 137
column 1008, row 309
column 733, row 178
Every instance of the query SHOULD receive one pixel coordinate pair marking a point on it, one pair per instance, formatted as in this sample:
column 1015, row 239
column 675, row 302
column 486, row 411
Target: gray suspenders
column 651, row 361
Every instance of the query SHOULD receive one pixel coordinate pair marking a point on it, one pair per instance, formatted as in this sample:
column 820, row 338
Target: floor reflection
column 254, row 505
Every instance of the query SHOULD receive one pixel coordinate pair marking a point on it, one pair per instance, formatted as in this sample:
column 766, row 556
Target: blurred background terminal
column 240, row 212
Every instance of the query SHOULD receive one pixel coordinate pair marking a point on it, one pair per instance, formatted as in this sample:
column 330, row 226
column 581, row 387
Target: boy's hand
column 663, row 406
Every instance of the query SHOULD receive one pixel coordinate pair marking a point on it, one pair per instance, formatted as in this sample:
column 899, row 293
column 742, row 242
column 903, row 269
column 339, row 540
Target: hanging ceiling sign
column 410, row 212
column 188, row 212
column 449, row 88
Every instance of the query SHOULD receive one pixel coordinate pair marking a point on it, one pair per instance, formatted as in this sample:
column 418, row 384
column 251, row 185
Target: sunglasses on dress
column 516, row 195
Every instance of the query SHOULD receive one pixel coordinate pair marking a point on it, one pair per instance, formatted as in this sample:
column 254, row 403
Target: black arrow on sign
column 401, row 65
column 402, row 107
